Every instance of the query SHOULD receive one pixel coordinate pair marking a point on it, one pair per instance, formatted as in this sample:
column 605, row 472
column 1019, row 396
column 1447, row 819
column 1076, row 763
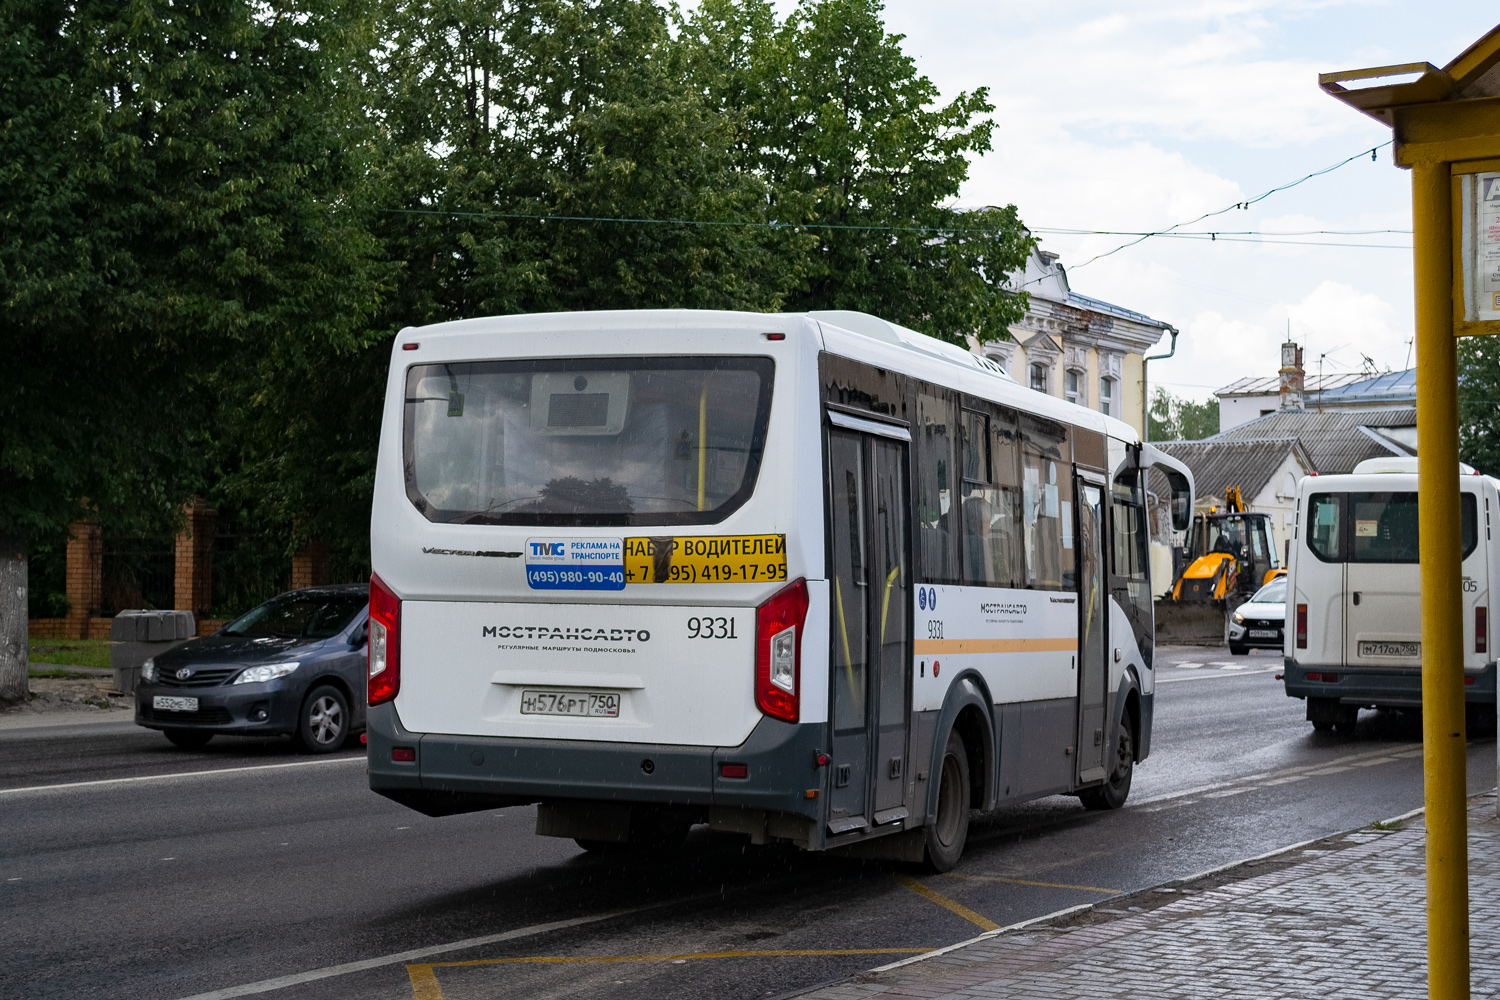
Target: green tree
column 1479, row 403
column 178, row 232
column 852, row 143
column 1174, row 419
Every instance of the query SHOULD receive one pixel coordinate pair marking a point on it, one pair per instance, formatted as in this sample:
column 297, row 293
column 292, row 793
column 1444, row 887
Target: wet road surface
column 247, row 869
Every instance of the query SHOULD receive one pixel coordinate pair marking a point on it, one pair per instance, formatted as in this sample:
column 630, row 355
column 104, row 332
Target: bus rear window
column 595, row 441
column 1377, row 527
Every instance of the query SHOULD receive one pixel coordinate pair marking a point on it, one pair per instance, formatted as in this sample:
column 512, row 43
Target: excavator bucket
column 1181, row 623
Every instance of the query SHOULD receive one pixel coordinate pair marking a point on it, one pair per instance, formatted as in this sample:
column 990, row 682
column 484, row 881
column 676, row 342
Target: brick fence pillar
column 192, row 582
column 85, row 576
column 312, row 565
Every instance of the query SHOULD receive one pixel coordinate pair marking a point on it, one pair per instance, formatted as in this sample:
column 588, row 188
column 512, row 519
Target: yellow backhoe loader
column 1231, row 553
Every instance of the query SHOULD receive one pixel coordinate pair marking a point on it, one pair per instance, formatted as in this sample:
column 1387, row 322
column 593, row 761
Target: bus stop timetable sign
column 575, row 564
column 721, row 559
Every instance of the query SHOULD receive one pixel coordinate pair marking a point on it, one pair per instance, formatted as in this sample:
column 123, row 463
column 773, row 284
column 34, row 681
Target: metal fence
column 247, row 570
column 137, row 573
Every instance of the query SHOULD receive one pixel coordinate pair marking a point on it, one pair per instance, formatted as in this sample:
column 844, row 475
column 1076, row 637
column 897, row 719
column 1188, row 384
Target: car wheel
column 324, row 720
column 188, row 739
column 944, row 838
column 1238, row 650
column 1322, row 726
column 1116, row 787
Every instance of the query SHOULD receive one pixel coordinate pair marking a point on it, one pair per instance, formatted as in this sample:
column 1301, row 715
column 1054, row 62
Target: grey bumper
column 223, row 709
column 1395, row 688
column 454, row 774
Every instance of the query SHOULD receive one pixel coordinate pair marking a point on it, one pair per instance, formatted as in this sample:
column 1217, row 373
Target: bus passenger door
column 871, row 630
column 1093, row 671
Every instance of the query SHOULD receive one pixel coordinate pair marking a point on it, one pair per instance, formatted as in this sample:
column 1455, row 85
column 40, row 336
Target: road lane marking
column 951, row 905
column 1216, row 676
column 177, row 774
column 403, row 957
column 1345, row 763
column 1045, row 885
column 424, row 984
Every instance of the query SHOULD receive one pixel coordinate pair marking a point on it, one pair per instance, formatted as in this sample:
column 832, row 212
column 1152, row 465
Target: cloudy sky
column 1137, row 115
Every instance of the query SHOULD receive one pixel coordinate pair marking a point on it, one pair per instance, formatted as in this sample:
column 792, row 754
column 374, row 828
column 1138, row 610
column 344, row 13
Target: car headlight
column 1237, row 618
column 259, row 675
column 148, row 670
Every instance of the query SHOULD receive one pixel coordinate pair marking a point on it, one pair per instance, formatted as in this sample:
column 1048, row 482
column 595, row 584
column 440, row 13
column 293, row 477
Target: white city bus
column 813, row 578
column 1353, row 635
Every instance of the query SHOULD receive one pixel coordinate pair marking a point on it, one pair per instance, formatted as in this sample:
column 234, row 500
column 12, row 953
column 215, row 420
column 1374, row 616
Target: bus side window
column 937, row 561
column 991, row 501
column 1047, row 503
column 1324, row 527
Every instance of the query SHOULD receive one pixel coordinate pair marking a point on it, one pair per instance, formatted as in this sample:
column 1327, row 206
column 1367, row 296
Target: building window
column 1073, row 390
column 1107, row 396
column 1038, row 377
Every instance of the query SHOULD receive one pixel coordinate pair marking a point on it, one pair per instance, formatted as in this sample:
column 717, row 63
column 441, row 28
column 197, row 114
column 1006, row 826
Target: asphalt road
column 249, row 870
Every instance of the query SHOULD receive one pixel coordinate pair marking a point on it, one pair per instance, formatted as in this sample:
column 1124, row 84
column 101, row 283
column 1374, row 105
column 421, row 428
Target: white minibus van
column 1353, row 606
column 813, row 578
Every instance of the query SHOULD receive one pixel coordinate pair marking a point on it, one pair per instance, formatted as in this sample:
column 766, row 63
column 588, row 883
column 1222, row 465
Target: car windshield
column 1272, row 593
column 300, row 615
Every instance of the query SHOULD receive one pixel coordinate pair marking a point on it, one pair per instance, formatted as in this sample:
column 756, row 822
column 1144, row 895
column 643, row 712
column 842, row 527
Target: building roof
column 1340, row 389
column 1392, row 387
column 1334, row 440
column 1270, row 385
column 1248, row 464
column 1110, row 309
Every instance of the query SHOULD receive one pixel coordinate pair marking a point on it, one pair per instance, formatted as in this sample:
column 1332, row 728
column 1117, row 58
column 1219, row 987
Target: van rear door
column 1382, row 610
column 1318, row 582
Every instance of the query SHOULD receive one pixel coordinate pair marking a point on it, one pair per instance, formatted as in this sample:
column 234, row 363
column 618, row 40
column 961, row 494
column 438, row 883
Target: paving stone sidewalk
column 1344, row 917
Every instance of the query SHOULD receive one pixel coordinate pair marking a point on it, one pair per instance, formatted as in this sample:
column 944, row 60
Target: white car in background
column 1260, row 621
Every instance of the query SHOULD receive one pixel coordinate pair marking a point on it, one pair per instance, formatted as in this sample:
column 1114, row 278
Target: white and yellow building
column 1078, row 348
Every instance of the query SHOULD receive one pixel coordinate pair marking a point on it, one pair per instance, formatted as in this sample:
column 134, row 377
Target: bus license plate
column 590, row 704
column 167, row 704
column 1390, row 648
column 1264, row 633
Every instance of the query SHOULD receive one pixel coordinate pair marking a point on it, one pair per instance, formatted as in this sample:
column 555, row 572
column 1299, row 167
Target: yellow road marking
column 953, row 906
column 1045, row 885
column 424, row 983
column 955, row 647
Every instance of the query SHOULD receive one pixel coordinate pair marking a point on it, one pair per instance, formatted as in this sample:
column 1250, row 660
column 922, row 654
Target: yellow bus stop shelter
column 1446, row 125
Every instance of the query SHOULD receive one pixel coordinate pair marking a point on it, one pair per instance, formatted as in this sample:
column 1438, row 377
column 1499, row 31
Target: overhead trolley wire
column 1232, row 236
column 1241, row 204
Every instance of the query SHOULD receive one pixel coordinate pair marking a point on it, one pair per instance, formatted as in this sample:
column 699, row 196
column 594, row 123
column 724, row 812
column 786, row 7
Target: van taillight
column 385, row 642
column 1481, row 630
column 1302, row 626
column 778, row 651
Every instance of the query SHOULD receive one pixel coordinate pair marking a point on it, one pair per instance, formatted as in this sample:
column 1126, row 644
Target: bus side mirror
column 1182, row 499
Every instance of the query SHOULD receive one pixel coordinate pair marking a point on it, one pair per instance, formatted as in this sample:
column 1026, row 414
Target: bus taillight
column 385, row 642
column 1302, row 626
column 1481, row 630
column 778, row 651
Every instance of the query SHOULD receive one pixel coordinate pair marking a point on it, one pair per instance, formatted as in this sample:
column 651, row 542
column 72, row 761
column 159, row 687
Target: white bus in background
column 813, row 578
column 1353, row 605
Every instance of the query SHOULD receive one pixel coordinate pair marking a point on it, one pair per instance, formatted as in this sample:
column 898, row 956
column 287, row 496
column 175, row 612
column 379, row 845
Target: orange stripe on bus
column 958, row 646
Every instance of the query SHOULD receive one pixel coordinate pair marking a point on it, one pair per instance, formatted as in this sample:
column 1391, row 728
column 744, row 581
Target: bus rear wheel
column 945, row 837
